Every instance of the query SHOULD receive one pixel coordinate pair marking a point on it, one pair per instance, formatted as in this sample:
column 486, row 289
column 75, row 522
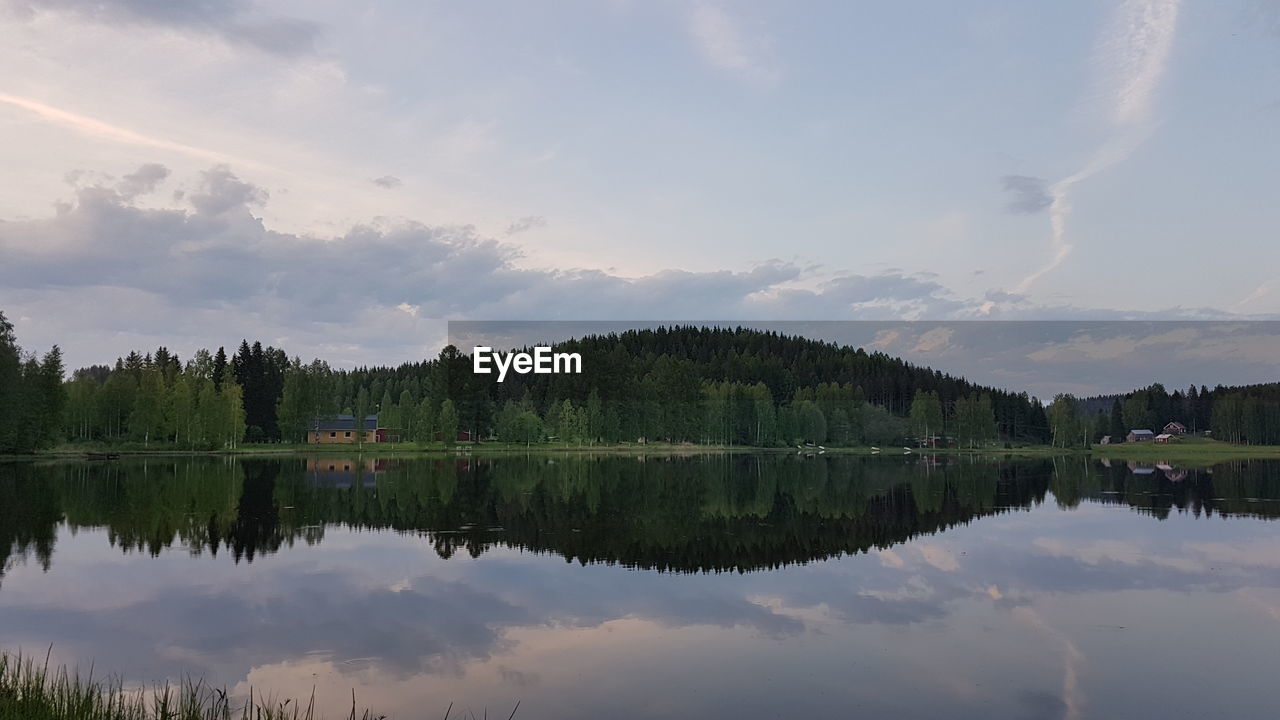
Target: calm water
column 745, row 587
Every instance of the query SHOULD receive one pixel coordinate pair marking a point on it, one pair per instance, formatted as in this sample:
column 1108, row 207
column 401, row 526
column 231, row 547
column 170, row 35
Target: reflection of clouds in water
column 363, row 613
column 940, row 557
column 374, row 611
column 889, row 558
column 1072, row 660
column 1271, row 609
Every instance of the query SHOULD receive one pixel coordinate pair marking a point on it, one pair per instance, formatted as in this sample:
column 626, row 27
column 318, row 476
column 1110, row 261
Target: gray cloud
column 1029, row 195
column 528, row 222
column 103, row 275
column 388, row 182
column 142, row 181
column 220, row 191
column 231, row 20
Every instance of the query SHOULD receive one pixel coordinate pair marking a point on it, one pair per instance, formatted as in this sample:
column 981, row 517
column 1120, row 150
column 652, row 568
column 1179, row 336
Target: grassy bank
column 1190, row 451
column 34, row 691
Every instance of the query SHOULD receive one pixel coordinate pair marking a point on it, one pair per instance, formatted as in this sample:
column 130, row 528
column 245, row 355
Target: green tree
column 425, row 421
column 52, row 398
column 1116, row 428
column 595, row 416
column 359, row 411
column 1069, row 429
column 448, row 422
column 181, row 410
column 233, row 424
column 926, row 414
column 408, row 414
column 146, row 421
column 12, row 437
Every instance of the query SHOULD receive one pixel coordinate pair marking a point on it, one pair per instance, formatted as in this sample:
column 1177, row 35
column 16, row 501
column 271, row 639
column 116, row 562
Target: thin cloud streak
column 96, row 128
column 1134, row 54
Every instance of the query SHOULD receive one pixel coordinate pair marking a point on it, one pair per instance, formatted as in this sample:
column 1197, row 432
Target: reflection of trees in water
column 1247, row 488
column 689, row 514
column 28, row 517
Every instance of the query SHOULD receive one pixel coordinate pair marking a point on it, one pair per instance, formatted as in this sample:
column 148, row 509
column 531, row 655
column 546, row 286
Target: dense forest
column 683, row 384
column 680, row 384
column 1246, row 414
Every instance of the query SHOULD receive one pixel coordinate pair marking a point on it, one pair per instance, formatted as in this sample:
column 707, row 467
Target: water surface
column 715, row 586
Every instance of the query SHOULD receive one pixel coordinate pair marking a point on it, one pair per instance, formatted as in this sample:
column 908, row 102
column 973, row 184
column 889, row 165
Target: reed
column 31, row 690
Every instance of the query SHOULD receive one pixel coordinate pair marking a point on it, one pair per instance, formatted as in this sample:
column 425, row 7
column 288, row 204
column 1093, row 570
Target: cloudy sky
column 337, row 179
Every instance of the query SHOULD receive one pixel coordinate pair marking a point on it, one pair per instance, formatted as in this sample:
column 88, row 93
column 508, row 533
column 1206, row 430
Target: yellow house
column 342, row 429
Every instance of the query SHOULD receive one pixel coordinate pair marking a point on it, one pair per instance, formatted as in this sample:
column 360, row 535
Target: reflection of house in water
column 343, row 472
column 1170, row 472
column 1138, row 468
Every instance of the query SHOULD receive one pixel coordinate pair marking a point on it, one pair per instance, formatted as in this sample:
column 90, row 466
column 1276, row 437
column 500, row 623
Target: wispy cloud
column 724, row 43
column 99, row 129
column 525, row 224
column 1131, row 59
column 229, row 19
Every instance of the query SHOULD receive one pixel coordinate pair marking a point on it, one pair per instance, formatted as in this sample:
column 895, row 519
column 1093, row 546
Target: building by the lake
column 342, row 429
column 1140, row 435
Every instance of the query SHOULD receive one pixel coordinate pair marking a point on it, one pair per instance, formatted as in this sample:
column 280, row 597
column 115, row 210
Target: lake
column 744, row 586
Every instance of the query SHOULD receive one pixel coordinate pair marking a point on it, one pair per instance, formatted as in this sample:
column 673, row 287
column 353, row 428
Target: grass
column 1188, row 451
column 34, row 691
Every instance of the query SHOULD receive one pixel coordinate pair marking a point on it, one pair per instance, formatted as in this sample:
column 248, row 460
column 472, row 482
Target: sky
column 338, row 179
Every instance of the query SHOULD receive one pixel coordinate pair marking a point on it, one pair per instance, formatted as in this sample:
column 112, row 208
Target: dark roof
column 345, row 421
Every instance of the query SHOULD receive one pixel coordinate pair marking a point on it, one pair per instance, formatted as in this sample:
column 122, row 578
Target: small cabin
column 1175, row 428
column 1141, row 435
column 342, row 429
column 1165, row 438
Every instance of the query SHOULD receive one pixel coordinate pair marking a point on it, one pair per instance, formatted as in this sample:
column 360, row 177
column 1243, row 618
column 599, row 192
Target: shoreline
column 1199, row 452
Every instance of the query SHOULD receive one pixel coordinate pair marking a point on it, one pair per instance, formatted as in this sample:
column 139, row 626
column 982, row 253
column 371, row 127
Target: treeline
column 32, row 399
column 720, row 386
column 1248, row 414
column 682, row 384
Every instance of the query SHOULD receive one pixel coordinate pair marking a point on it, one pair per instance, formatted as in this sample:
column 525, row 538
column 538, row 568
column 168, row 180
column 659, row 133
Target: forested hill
column 685, row 369
column 677, row 384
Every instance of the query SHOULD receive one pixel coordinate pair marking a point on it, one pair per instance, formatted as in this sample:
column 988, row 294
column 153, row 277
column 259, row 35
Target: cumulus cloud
column 104, row 274
column 1028, row 195
column 232, row 20
column 220, row 191
column 142, row 181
